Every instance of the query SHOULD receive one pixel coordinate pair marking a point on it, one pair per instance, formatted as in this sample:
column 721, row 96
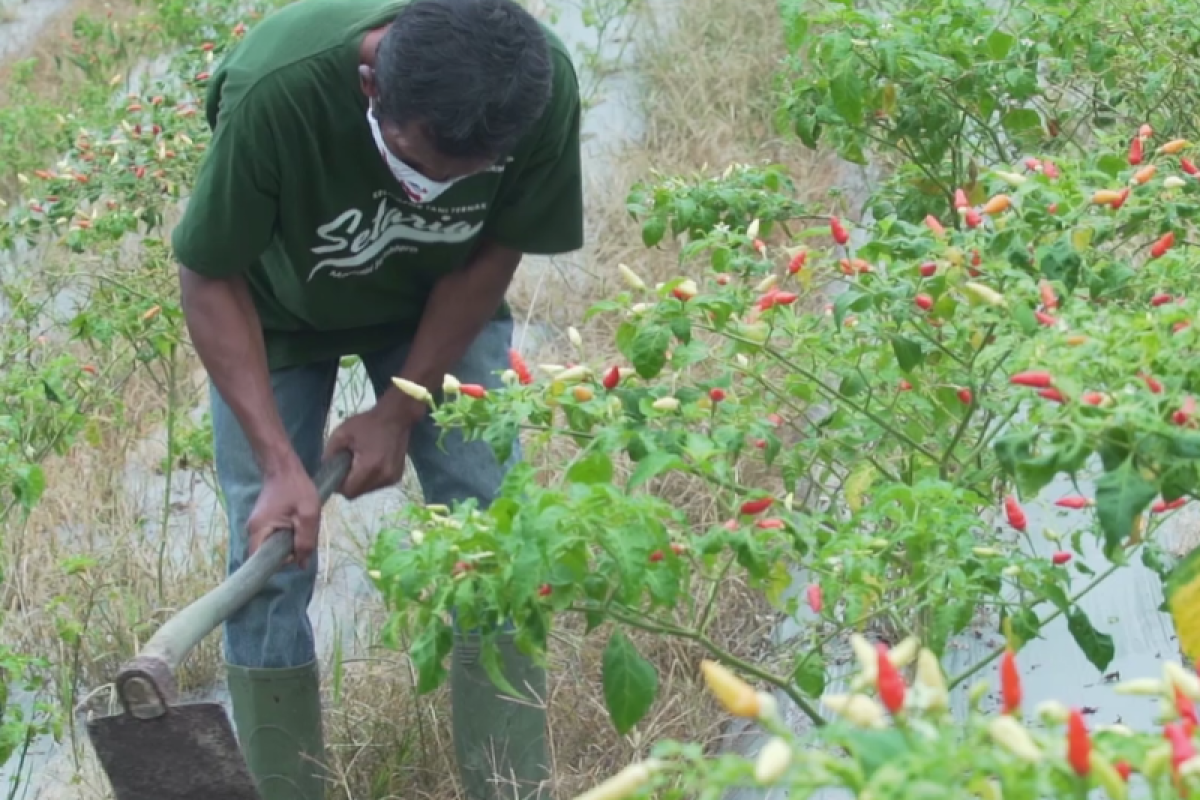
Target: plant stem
column 723, row 656
column 168, row 474
column 1058, row 612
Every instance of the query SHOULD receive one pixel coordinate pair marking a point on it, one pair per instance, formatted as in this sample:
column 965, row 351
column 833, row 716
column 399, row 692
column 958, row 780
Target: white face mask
column 418, row 188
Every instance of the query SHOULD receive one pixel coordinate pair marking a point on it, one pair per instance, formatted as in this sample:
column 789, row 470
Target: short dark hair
column 475, row 73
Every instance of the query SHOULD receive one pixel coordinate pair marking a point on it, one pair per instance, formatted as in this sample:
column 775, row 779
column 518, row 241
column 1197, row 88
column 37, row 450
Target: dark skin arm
column 227, row 335
column 459, row 307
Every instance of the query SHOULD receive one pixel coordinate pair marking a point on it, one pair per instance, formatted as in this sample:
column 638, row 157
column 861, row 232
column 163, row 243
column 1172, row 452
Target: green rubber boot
column 277, row 713
column 500, row 741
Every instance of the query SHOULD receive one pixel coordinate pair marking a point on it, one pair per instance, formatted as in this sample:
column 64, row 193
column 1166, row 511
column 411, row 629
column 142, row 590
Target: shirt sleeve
column 539, row 209
column 233, row 209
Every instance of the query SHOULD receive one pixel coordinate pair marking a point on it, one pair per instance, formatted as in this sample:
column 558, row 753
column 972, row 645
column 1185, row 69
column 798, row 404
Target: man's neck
column 370, row 43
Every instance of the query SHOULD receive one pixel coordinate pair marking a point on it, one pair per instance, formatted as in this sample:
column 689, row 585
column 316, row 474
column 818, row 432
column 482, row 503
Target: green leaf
column 846, row 91
column 908, row 353
column 630, row 683
column 1020, row 120
column 809, row 674
column 651, row 466
column 595, row 467
column 489, row 658
column 428, row 654
column 795, row 20
column 847, row 301
column 653, row 231
column 1097, row 646
column 648, row 350
column 1121, row 495
column 999, row 43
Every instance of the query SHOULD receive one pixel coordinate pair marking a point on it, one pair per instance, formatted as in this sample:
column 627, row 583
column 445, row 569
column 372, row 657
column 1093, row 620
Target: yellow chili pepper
column 738, row 697
column 631, row 278
column 997, row 205
column 1010, row 734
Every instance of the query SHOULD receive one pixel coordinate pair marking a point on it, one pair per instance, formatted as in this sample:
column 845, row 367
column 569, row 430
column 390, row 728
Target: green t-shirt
column 293, row 193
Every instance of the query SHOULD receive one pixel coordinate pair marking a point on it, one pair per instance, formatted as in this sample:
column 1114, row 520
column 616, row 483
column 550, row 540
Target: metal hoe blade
column 188, row 753
column 156, row 750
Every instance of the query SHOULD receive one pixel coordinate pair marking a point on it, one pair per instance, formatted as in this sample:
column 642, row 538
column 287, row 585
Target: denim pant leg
column 458, row 469
column 272, row 631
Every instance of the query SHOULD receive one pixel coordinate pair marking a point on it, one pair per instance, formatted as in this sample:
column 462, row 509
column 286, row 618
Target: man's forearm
column 459, row 307
column 226, row 333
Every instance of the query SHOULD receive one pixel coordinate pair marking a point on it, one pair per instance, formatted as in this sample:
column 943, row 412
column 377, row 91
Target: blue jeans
column 273, row 630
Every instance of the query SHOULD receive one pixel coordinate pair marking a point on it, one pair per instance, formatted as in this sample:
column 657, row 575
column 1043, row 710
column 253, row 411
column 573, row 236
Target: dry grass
column 705, row 78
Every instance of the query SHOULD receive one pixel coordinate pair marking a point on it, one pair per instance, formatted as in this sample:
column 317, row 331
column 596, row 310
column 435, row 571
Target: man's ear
column 366, row 80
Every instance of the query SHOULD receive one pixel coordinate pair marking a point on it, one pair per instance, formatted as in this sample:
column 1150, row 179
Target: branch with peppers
column 893, row 737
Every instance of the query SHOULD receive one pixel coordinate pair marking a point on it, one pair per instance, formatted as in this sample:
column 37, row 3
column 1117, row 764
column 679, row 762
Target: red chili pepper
column 1053, row 395
column 657, row 556
column 976, row 259
column 1184, row 415
column 1015, row 514
column 1135, row 152
column 611, row 378
column 1124, row 769
column 760, row 246
column 1038, row 379
column 1162, row 506
column 797, row 262
column 815, row 600
column 960, row 199
column 1032, row 164
column 1049, row 298
column 1050, row 170
column 1045, row 319
column 1163, row 244
column 1079, row 743
column 767, row 300
column 785, row 298
column 520, row 367
column 1074, row 501
column 473, row 390
column 1182, row 749
column 770, row 524
column 928, row 269
column 889, row 683
column 905, row 386
column 1145, row 132
column 1180, row 326
column 1060, row 558
column 678, row 549
column 731, row 525
column 1052, row 208
column 1160, row 300
column 932, row 223
column 545, row 590
column 973, row 218
column 752, row 507
column 775, row 419
column 1152, row 384
column 1010, row 683
column 965, row 396
column 1187, row 166
column 840, row 235
column 1186, row 710
column 1120, row 201
column 924, row 302
column 461, row 567
column 1092, row 398
column 716, row 394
